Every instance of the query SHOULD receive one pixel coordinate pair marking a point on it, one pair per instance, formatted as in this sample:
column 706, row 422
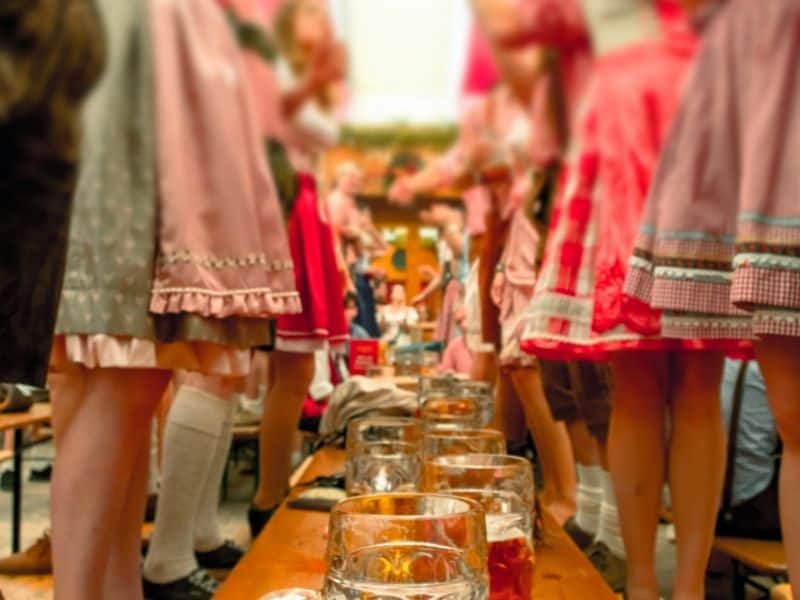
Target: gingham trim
column 706, row 327
column 693, row 296
column 639, row 281
column 697, row 250
column 755, row 287
column 774, row 322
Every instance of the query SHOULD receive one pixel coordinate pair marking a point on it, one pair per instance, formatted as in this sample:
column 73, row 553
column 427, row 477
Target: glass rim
column 470, row 507
column 412, row 445
column 380, row 419
column 473, row 461
column 466, row 433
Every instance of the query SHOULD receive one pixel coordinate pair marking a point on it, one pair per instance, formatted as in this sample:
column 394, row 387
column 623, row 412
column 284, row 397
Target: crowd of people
column 626, row 258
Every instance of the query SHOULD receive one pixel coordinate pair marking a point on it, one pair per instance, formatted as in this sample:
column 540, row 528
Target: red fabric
column 316, row 274
column 636, row 95
column 481, row 73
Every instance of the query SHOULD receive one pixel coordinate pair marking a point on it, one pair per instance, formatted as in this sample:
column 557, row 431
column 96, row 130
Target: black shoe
column 613, row 569
column 150, row 508
column 581, row 537
column 7, row 481
column 224, row 557
column 258, row 519
column 42, row 474
column 199, row 585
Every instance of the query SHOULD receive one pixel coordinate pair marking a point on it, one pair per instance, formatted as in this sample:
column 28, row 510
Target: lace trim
column 227, row 262
column 238, row 292
column 766, row 261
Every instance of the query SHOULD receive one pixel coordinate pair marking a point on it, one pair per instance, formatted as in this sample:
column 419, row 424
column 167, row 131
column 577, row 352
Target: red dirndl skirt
column 322, row 323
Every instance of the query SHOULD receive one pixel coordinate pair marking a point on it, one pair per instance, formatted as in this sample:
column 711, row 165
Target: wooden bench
column 38, row 414
column 291, row 550
column 752, row 558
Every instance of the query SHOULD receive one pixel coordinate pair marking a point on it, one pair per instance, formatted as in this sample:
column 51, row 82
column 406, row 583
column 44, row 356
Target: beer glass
column 383, row 455
column 443, row 442
column 407, row 546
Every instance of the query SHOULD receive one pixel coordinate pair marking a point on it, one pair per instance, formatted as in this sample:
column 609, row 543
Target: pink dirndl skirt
column 322, row 323
column 579, row 310
column 719, row 247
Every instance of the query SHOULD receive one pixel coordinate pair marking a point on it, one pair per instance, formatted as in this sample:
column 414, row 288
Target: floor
column 232, row 518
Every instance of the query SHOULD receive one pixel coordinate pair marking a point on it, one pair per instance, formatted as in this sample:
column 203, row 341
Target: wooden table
column 290, row 553
column 38, row 414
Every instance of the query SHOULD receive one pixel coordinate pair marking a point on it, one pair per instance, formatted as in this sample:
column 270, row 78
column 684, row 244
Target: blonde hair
column 289, row 49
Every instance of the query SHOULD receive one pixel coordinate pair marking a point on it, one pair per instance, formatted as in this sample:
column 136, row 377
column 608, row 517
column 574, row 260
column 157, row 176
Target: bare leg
column 258, row 375
column 778, row 360
column 696, row 465
column 636, row 459
column 124, row 574
column 584, row 445
column 291, row 375
column 484, row 367
column 552, row 445
column 93, row 474
column 508, row 415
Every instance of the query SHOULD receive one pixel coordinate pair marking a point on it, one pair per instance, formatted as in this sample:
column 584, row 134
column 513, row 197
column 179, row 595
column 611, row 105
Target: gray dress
column 113, row 237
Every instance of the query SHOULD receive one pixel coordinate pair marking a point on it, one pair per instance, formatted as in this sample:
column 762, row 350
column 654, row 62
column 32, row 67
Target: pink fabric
column 457, row 358
column 630, row 139
column 445, row 325
column 343, row 215
column 223, row 248
column 260, row 74
column 481, row 73
column 112, row 352
column 512, row 289
column 578, row 310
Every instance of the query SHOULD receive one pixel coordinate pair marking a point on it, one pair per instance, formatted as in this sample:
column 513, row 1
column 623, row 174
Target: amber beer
column 511, row 564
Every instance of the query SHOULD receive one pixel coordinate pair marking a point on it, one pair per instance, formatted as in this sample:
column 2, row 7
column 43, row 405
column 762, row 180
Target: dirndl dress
column 718, row 251
column 112, row 315
column 579, row 309
column 322, row 324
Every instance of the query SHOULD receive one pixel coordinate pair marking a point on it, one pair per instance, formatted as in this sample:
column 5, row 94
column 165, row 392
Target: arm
column 432, row 286
column 453, row 165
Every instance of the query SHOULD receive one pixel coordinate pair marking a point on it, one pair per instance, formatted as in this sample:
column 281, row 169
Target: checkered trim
column 706, row 327
column 772, row 322
column 761, row 287
column 693, row 296
column 639, row 281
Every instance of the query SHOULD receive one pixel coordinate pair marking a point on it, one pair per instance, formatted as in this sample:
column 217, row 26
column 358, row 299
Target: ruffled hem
column 110, row 352
column 562, row 350
column 311, row 344
column 255, row 303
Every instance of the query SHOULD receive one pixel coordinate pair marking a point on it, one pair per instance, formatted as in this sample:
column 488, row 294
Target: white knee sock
column 194, row 426
column 608, row 530
column 207, row 535
column 590, row 496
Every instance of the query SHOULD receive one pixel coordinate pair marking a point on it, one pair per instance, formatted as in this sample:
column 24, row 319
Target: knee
column 787, row 419
column 696, row 396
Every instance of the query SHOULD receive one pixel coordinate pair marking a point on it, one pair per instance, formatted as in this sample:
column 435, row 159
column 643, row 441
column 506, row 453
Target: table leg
column 16, row 511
